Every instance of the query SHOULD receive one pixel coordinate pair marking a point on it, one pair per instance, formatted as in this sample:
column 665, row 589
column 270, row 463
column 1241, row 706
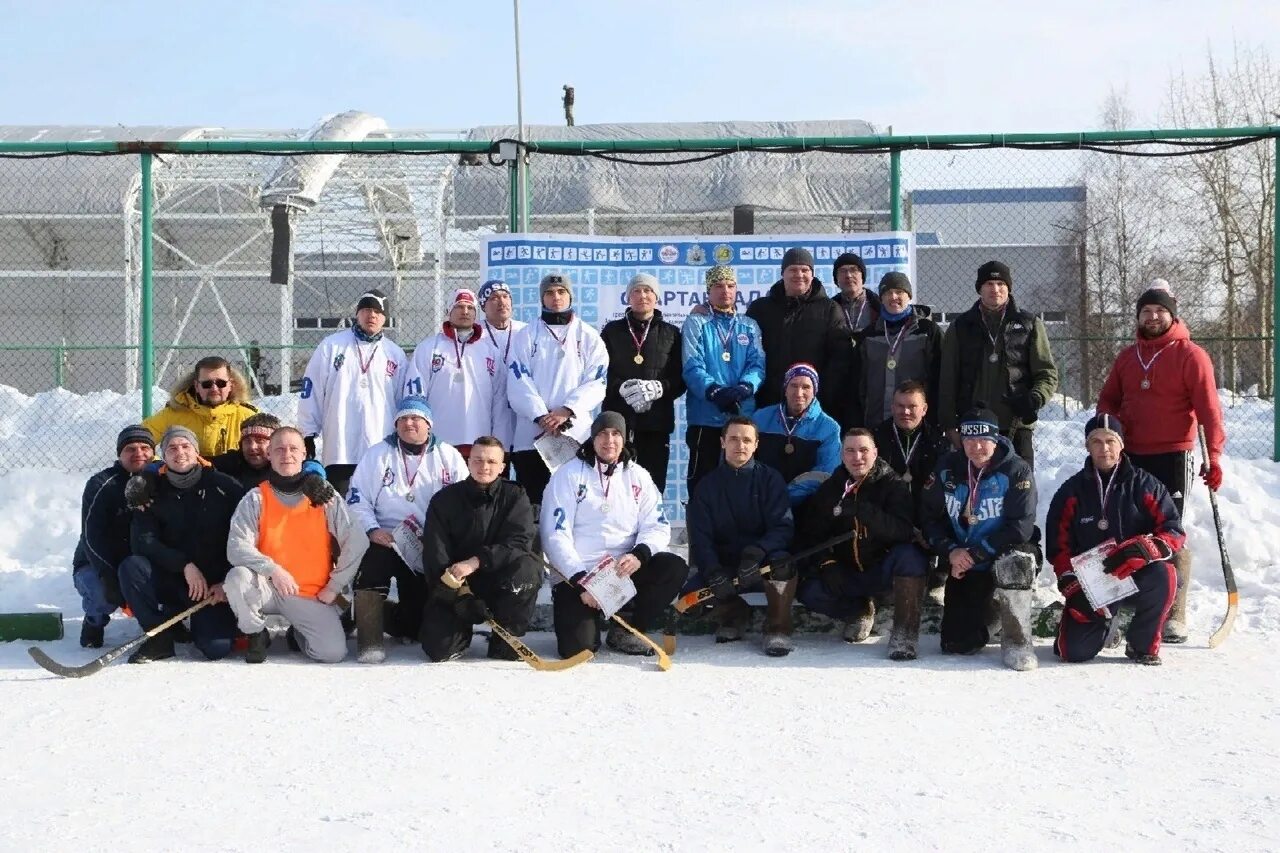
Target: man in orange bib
column 292, row 554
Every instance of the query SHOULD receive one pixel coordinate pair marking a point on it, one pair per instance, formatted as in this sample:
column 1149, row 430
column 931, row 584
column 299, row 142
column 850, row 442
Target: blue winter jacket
column 1005, row 509
column 815, row 445
column 705, row 367
column 732, row 509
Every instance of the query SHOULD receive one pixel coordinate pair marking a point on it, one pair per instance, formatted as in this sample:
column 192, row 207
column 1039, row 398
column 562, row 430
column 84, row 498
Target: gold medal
column 724, row 356
column 639, row 359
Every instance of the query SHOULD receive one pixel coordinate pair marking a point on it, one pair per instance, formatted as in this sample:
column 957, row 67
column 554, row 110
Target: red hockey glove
column 1077, row 605
column 1132, row 554
column 1211, row 473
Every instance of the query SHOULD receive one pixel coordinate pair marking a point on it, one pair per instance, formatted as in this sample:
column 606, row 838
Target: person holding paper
column 979, row 512
column 478, row 531
column 556, row 381
column 740, row 521
column 1112, row 499
column 391, row 488
column 603, row 508
column 797, row 438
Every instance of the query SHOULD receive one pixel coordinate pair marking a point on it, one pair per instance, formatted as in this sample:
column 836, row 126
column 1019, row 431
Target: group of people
column 842, row 450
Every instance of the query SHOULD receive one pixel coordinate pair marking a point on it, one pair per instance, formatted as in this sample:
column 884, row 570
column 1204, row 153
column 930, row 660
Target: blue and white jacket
column 815, row 443
column 705, row 337
column 1004, row 508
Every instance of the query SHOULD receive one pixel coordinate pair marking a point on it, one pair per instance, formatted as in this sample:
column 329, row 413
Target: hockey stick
column 700, row 596
column 522, row 651
column 1229, row 576
column 664, row 660
column 49, row 664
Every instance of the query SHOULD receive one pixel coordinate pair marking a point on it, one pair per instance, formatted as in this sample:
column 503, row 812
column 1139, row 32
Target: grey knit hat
column 178, row 432
column 609, row 420
column 554, row 279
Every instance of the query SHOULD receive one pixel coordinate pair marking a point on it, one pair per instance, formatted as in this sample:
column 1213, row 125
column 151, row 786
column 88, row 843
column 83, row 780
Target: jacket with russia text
column 1004, row 509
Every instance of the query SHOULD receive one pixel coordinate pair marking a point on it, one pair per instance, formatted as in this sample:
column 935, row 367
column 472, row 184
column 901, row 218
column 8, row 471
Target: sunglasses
column 209, row 383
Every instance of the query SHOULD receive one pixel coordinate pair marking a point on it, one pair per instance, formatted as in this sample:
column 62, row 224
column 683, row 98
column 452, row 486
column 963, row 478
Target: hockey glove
column 1132, row 554
column 141, row 489
column 317, row 489
column 749, row 567
column 1077, row 602
column 782, row 568
column 309, row 442
column 631, row 392
column 725, row 399
column 1025, row 406
column 742, row 391
column 721, row 586
column 1211, row 473
column 469, row 608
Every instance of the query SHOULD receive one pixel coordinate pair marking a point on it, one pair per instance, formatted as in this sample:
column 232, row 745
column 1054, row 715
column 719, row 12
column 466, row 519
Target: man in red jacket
column 1159, row 388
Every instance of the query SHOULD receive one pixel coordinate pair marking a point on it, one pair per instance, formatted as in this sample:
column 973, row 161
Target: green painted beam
column 45, row 625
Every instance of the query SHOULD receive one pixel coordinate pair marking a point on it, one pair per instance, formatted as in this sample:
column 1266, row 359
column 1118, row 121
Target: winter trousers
column 578, row 626
column 531, row 473
column 510, row 597
column 378, row 567
column 316, row 625
column 99, row 597
column 339, row 476
column 704, row 453
column 156, row 596
column 653, row 452
column 968, row 603
column 902, row 561
column 1081, row 635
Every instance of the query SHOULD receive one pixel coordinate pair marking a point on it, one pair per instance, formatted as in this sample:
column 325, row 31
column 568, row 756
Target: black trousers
column 377, row 569
column 339, row 476
column 532, row 473
column 653, row 452
column 1021, row 439
column 1173, row 469
column 578, row 626
column 964, row 612
column 704, row 453
column 1081, row 635
column 510, row 596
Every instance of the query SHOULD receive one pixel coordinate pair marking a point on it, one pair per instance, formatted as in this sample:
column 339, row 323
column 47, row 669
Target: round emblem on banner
column 723, row 253
column 668, row 254
column 696, row 256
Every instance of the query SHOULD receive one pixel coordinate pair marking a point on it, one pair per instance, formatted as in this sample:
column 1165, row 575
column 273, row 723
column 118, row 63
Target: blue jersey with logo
column 1000, row 515
column 705, row 338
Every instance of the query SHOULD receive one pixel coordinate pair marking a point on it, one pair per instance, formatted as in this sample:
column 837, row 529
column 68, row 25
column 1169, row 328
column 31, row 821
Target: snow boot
column 155, row 648
column 499, row 649
column 1138, row 657
column 1013, row 575
column 257, row 651
column 91, row 636
column 291, row 640
column 903, row 639
column 1175, row 627
column 937, row 586
column 369, row 647
column 732, row 618
column 779, row 595
column 622, row 640
column 861, row 621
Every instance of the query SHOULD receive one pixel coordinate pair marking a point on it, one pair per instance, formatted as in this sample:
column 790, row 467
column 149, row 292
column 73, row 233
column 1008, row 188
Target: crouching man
column 739, row 520
column 865, row 495
column 980, row 509
column 478, row 531
column 1113, row 499
column 284, row 559
column 603, row 504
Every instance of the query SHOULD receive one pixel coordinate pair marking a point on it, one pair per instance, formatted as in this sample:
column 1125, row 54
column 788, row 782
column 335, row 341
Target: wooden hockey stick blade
column 669, row 642
column 50, row 665
column 664, row 660
column 530, row 657
column 1216, row 638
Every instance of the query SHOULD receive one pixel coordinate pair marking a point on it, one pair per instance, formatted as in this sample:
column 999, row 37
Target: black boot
column 155, row 648
column 91, row 635
column 257, row 651
column 500, row 649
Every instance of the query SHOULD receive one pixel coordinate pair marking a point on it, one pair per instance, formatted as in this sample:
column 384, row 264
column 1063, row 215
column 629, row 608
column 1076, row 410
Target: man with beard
column 500, row 329
column 350, row 389
column 212, row 401
column 1159, row 388
column 250, row 464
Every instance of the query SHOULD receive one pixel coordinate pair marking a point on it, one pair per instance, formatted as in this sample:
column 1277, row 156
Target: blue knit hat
column 980, row 422
column 415, row 405
column 801, row 368
column 1106, row 423
column 490, row 287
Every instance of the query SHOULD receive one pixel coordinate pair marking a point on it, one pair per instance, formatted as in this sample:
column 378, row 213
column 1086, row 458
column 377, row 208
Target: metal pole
column 522, row 187
column 146, row 339
column 895, row 190
column 1275, row 304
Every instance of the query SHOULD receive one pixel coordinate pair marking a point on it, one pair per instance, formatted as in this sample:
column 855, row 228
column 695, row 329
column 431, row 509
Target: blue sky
column 919, row 66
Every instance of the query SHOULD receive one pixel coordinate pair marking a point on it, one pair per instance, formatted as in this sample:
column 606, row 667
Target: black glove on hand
column 1025, row 406
column 749, row 567
column 1074, row 594
column 141, row 489
column 725, row 399
column 317, row 489
column 782, row 568
column 309, row 442
column 469, row 609
column 721, row 586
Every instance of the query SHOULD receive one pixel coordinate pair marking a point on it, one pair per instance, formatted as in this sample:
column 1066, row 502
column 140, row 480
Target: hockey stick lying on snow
column 1229, row 576
column 664, row 660
column 522, row 651
column 699, row 596
column 51, row 665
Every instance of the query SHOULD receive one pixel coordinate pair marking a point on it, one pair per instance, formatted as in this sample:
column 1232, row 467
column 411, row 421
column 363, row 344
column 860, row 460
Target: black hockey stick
column 51, row 665
column 1229, row 576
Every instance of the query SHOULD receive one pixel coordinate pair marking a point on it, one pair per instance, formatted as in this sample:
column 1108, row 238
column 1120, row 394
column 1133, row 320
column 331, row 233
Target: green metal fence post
column 59, row 359
column 148, row 352
column 513, row 196
column 1275, row 304
column 895, row 190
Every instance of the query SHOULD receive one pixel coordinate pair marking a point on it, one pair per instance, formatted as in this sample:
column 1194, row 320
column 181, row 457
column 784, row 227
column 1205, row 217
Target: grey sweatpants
column 317, row 626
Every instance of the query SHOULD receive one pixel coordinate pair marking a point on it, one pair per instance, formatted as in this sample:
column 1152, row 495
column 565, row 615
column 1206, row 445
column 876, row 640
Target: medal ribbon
column 1146, row 365
column 560, row 341
column 1104, row 496
column 987, row 328
column 726, row 337
column 897, row 339
column 404, row 462
column 854, row 321
column 974, row 483
column 639, row 342
column 365, row 363
column 460, row 351
column 908, row 449
column 606, row 483
column 506, row 353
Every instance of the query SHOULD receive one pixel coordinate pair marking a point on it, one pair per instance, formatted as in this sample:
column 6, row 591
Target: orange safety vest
column 296, row 537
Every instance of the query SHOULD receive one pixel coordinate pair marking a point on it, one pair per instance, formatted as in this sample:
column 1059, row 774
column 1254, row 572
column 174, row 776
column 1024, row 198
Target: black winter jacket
column 733, row 509
column 810, row 328
column 882, row 507
column 926, row 446
column 188, row 525
column 662, row 361
column 104, row 523
column 495, row 525
column 233, row 464
column 917, row 354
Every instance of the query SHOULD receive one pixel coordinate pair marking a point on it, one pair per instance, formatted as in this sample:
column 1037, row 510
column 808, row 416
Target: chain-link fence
column 250, row 262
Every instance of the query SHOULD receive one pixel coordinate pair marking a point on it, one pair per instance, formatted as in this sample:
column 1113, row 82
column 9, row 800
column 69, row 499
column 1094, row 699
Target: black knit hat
column 895, row 281
column 375, row 299
column 797, row 256
column 1106, row 423
column 980, row 422
column 132, row 434
column 1159, row 294
column 994, row 271
column 848, row 259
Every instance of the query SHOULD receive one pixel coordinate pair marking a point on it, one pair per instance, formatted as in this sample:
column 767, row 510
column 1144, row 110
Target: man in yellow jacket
column 211, row 401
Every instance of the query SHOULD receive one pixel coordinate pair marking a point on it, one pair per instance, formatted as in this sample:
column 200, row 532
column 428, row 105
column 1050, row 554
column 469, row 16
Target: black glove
column 469, row 609
column 141, row 489
column 782, row 569
column 317, row 489
column 1025, row 406
column 1074, row 594
column 725, row 399
column 721, row 586
column 741, row 391
column 749, row 567
column 832, row 577
column 309, row 442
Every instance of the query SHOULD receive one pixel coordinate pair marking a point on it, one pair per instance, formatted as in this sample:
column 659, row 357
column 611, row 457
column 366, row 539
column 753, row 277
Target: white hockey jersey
column 461, row 381
column 389, row 485
column 586, row 515
column 500, row 341
column 349, row 395
column 552, row 367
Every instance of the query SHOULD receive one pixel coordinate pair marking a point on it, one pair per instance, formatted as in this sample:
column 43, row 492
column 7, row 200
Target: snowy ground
column 832, row 748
